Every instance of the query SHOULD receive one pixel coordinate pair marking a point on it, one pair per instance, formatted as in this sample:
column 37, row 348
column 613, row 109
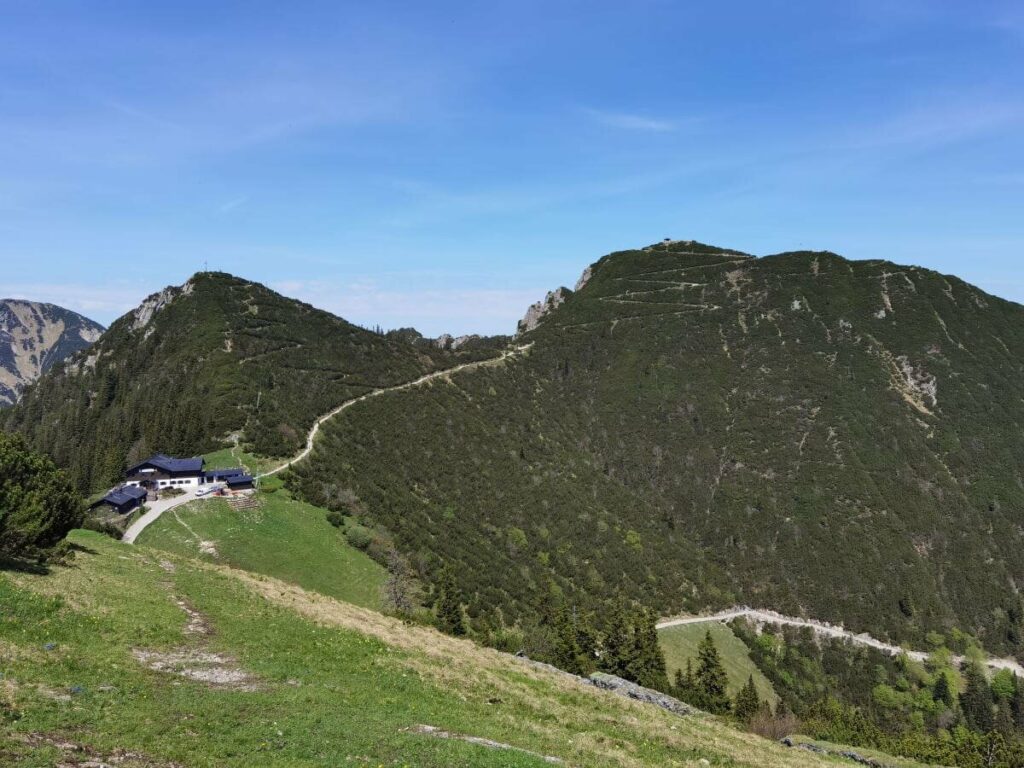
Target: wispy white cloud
column 632, row 122
column 232, row 204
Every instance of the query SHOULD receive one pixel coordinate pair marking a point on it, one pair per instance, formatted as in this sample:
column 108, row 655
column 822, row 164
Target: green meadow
column 283, row 537
column 158, row 659
column 680, row 643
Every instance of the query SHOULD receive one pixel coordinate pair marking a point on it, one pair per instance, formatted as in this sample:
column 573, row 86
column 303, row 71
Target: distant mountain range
column 33, row 337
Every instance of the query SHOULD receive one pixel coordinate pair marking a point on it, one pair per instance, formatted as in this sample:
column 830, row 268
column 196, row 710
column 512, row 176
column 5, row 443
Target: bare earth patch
column 215, row 669
column 197, row 624
column 208, row 548
column 195, row 663
column 74, row 755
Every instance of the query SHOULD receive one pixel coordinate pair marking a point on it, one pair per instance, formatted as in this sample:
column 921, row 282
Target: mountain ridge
column 196, row 366
column 34, row 336
column 748, row 417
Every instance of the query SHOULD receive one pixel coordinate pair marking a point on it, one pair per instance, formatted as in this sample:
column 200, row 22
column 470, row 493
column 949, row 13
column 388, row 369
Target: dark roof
column 238, row 480
column 169, row 464
column 213, row 474
column 124, row 495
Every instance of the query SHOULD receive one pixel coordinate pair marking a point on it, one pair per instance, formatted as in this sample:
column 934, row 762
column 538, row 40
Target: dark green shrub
column 358, row 536
column 38, row 505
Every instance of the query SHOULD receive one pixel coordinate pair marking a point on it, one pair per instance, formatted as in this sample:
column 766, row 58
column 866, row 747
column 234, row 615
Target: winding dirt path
column 311, row 437
column 763, row 616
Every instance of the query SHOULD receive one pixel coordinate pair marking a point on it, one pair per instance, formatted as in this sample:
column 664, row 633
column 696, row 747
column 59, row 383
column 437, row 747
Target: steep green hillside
column 280, row 537
column 193, row 365
column 694, row 427
column 138, row 657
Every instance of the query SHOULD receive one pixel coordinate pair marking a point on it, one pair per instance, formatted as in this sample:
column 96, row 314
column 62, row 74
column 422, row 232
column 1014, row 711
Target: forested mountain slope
column 196, row 364
column 694, row 427
column 33, row 337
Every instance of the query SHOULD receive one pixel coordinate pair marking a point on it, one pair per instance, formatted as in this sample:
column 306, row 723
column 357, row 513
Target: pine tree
column 747, row 702
column 647, row 666
column 566, row 654
column 976, row 700
column 685, row 687
column 1017, row 703
column 618, row 647
column 449, row 604
column 710, row 678
column 942, row 692
column 781, row 710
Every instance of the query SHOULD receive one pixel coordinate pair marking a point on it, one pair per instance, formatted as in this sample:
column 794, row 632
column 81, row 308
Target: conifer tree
column 747, row 702
column 586, row 640
column 685, row 684
column 618, row 646
column 942, row 692
column 976, row 700
column 566, row 653
column 710, row 678
column 647, row 666
column 449, row 604
column 1017, row 703
column 781, row 710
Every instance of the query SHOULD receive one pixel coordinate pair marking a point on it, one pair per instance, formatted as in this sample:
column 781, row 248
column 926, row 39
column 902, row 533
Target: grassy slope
column 235, row 457
column 680, row 643
column 336, row 686
column 284, row 538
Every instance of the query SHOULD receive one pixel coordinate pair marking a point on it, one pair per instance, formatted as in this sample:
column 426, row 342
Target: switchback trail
column 311, row 437
column 762, row 616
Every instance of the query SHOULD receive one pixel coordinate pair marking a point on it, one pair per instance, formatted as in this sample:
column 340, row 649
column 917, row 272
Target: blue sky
column 443, row 164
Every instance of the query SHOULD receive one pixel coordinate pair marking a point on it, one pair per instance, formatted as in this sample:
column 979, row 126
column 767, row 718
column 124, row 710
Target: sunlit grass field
column 311, row 681
column 680, row 643
column 284, row 538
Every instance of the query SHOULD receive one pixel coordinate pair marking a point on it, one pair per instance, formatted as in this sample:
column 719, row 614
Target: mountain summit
column 196, row 366
column 695, row 427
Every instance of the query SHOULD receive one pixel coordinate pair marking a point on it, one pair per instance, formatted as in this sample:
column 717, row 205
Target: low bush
column 359, row 536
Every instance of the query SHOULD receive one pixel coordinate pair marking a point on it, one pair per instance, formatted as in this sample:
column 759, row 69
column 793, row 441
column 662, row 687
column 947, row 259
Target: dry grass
column 564, row 708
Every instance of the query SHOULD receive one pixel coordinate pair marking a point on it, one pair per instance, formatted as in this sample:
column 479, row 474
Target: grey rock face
column 639, row 693
column 449, row 342
column 33, row 337
column 537, row 311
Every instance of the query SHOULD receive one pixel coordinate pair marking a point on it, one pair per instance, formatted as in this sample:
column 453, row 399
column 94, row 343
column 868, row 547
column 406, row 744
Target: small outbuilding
column 124, row 499
column 221, row 475
column 239, row 482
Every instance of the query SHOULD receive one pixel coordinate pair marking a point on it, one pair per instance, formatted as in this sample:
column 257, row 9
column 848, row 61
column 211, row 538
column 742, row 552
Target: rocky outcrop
column 584, row 278
column 33, row 337
column 639, row 693
column 142, row 314
column 846, row 754
column 537, row 311
column 451, row 343
column 622, row 687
